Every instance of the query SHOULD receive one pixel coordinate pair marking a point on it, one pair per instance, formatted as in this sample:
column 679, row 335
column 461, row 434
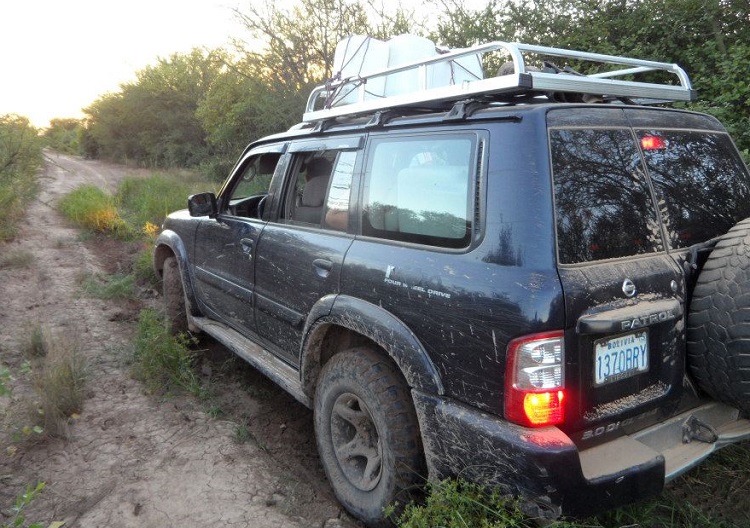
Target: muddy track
column 133, row 459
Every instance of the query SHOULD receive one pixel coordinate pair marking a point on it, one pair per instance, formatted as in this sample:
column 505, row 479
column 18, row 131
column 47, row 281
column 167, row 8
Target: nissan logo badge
column 628, row 288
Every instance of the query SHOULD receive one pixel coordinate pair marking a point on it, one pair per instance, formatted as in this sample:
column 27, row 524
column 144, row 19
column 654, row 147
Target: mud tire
column 718, row 331
column 362, row 400
column 175, row 315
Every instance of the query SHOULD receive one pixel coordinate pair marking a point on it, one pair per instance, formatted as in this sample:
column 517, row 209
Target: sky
column 59, row 56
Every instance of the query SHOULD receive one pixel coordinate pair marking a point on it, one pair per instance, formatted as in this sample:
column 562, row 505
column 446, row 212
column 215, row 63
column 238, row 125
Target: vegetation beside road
column 20, row 159
column 199, row 109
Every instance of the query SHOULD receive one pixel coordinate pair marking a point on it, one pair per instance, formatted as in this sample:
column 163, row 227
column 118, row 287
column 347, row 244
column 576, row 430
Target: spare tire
column 718, row 323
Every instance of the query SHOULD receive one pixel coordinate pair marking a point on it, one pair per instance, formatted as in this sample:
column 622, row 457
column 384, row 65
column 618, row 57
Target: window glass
column 700, row 181
column 337, row 205
column 602, row 201
column 420, row 190
column 256, row 176
column 247, row 198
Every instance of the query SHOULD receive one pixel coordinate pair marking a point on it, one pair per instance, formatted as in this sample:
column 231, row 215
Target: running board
column 269, row 365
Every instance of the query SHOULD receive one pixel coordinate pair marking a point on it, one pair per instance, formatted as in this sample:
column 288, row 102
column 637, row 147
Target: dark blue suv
column 549, row 297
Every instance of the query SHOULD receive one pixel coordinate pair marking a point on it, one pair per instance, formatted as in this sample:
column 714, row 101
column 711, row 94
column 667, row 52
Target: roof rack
column 350, row 95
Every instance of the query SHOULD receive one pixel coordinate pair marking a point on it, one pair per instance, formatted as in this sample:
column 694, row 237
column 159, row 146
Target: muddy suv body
column 548, row 297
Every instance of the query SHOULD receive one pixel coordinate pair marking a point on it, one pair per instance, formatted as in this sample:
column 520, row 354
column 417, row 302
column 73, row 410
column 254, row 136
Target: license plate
column 620, row 357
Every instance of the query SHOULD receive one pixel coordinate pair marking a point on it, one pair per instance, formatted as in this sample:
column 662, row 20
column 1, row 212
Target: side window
column 337, row 205
column 250, row 187
column 320, row 189
column 603, row 203
column 420, row 190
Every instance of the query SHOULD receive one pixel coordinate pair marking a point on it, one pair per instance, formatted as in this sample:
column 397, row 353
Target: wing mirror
column 203, row 204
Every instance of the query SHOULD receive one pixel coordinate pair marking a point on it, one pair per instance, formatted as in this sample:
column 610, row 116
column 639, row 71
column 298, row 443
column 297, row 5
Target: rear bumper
column 546, row 467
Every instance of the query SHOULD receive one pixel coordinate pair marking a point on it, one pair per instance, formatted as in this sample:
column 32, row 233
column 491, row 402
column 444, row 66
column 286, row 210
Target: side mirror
column 203, row 204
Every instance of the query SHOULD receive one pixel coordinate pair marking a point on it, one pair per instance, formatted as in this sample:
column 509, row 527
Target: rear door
column 624, row 293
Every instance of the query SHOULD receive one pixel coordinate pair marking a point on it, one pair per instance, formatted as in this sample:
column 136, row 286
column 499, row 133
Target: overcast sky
column 58, row 56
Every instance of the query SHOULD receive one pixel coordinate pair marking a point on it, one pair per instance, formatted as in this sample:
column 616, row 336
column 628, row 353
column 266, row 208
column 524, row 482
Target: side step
column 271, row 366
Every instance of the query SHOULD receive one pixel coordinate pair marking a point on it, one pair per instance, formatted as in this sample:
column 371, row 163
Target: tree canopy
column 203, row 107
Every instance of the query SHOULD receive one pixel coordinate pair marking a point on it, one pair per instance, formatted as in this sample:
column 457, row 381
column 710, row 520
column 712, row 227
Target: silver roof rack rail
column 350, row 96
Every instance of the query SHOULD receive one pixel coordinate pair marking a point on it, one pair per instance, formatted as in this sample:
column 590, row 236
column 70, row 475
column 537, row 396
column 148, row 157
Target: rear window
column 603, row 202
column 700, row 181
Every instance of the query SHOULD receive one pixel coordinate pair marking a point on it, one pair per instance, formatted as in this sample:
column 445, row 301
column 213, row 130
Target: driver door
column 225, row 246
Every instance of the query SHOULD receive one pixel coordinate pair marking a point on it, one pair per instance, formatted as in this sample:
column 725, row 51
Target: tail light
column 535, row 379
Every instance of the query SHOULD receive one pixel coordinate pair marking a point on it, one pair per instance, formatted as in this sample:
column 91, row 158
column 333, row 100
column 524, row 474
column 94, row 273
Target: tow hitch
column 694, row 429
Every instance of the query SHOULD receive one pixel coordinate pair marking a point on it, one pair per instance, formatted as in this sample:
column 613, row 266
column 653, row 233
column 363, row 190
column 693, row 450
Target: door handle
column 322, row 267
column 247, row 246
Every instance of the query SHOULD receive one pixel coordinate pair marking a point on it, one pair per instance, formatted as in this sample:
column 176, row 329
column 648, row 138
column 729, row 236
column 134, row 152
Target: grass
column 17, row 259
column 58, row 376
column 149, row 200
column 714, row 495
column 92, row 208
column 116, row 286
column 162, row 361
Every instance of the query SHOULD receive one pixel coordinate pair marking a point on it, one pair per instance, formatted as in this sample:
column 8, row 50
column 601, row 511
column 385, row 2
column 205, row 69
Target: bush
column 20, row 159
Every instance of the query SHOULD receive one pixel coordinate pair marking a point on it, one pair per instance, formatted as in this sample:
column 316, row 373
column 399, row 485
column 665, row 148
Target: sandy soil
column 133, row 459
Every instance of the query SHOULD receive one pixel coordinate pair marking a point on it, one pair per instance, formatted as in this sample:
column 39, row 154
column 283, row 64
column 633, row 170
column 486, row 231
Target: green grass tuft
column 116, row 286
column 17, row 259
column 90, row 207
column 162, row 361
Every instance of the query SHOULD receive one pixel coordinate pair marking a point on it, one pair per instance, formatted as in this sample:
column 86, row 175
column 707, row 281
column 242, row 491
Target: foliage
column 16, row 259
column 63, row 135
column 162, row 361
column 152, row 121
column 116, row 286
column 149, row 200
column 59, row 376
column 460, row 504
column 92, row 208
column 4, row 381
column 21, row 503
column 20, row 159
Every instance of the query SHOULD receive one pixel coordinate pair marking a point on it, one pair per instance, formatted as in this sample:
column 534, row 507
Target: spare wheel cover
column 718, row 331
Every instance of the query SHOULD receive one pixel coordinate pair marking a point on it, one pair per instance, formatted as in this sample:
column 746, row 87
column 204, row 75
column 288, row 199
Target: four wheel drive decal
column 413, row 287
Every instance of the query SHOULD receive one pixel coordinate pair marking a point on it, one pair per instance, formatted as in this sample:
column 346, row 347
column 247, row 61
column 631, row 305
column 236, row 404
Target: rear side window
column 700, row 181
column 603, row 204
column 420, row 190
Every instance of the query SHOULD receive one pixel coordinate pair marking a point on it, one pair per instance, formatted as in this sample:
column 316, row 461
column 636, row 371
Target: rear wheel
column 367, row 433
column 718, row 330
column 174, row 297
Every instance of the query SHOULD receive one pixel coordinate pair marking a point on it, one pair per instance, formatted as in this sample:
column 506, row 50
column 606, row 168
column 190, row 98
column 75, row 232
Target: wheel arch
column 338, row 322
column 169, row 244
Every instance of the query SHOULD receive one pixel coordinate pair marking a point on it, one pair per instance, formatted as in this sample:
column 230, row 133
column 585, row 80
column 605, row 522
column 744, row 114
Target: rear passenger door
column 624, row 293
column 300, row 254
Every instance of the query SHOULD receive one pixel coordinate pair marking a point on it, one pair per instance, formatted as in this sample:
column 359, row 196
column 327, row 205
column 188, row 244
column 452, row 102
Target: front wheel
column 174, row 297
column 367, row 434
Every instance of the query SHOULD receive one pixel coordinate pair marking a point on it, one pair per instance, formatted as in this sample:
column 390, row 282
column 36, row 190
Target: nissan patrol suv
column 538, row 280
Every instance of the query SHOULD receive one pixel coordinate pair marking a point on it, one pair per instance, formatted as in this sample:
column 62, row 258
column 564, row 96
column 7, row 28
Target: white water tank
column 359, row 55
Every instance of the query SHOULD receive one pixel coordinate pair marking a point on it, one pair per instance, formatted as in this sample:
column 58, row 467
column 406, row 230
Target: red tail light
column 535, row 380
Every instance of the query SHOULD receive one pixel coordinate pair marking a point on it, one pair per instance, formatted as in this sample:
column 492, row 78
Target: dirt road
column 246, row 458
